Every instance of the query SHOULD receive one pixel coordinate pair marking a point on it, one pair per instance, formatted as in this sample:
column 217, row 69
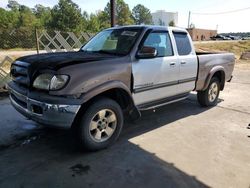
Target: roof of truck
column 155, row 27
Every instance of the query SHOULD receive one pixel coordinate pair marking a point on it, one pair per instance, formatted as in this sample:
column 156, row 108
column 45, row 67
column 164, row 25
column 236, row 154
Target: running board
column 162, row 102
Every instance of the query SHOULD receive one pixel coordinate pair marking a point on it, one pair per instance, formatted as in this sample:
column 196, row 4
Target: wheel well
column 118, row 95
column 221, row 76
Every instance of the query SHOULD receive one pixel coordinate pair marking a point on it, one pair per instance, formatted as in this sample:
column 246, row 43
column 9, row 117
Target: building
column 161, row 17
column 201, row 34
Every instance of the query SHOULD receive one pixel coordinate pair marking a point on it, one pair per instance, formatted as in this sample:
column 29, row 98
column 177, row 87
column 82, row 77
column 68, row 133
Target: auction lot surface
column 180, row 145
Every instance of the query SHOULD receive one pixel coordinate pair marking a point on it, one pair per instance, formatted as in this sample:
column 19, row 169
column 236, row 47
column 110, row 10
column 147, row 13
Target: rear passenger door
column 156, row 78
column 188, row 61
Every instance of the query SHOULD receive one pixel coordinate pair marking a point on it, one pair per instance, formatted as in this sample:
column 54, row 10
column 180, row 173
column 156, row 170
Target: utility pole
column 112, row 12
column 189, row 17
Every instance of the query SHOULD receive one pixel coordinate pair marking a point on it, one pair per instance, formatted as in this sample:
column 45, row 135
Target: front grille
column 19, row 73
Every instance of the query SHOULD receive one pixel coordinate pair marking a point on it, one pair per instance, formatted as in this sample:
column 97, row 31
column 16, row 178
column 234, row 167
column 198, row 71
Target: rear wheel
column 101, row 124
column 209, row 97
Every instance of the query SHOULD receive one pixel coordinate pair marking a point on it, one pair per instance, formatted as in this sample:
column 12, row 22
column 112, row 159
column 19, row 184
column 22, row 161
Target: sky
column 231, row 22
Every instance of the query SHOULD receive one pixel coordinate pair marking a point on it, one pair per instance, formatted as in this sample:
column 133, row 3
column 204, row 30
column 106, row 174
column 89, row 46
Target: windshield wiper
column 105, row 52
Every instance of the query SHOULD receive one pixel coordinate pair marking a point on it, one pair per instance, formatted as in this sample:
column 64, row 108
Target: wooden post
column 37, row 42
column 112, row 12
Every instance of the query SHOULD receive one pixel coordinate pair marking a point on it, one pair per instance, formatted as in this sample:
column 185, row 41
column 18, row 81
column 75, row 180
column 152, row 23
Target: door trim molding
column 156, row 86
column 161, row 85
column 187, row 80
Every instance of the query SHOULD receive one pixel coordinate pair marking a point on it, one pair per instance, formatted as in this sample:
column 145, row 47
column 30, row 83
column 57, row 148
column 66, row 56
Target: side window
column 182, row 43
column 161, row 42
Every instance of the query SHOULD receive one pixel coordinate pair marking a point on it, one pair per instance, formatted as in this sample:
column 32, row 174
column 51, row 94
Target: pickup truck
column 119, row 72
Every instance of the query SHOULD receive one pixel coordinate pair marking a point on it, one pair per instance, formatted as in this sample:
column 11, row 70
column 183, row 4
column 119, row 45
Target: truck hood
column 62, row 59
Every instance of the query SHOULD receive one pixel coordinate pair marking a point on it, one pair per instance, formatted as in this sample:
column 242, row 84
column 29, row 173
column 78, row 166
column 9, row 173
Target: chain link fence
column 17, row 39
column 13, row 44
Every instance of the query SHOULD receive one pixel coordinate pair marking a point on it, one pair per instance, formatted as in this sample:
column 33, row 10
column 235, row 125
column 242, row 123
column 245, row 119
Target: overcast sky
column 232, row 22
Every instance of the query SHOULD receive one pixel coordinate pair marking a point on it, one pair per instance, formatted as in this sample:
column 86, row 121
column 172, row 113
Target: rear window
column 182, row 43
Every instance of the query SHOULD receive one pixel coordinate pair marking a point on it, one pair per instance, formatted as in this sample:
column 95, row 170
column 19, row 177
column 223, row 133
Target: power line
column 226, row 12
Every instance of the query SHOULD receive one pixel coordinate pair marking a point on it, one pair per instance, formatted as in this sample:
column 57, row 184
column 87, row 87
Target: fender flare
column 211, row 74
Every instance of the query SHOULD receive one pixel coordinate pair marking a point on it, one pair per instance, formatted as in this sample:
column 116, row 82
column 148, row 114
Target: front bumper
column 56, row 115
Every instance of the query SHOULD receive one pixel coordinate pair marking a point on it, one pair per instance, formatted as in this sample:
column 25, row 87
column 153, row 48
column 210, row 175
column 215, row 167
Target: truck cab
column 173, row 70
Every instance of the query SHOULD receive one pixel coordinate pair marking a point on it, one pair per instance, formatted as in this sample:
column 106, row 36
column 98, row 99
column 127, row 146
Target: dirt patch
column 245, row 56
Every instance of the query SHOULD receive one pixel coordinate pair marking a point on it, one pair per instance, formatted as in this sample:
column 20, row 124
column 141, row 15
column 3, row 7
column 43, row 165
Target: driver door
column 156, row 78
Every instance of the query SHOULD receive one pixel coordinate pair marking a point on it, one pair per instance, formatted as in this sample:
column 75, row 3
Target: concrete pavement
column 180, row 145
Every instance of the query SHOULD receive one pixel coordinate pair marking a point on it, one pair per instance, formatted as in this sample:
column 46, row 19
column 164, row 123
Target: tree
column 26, row 18
column 8, row 19
column 93, row 24
column 104, row 20
column 43, row 14
column 122, row 11
column 141, row 15
column 171, row 23
column 66, row 16
column 13, row 5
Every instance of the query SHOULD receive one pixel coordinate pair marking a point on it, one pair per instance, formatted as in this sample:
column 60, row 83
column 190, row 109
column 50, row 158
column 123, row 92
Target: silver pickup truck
column 119, row 72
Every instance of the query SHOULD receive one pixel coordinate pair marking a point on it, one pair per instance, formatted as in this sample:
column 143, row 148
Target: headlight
column 58, row 82
column 50, row 81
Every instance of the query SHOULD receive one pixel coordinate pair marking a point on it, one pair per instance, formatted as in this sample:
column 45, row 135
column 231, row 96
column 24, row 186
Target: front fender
column 133, row 111
column 105, row 87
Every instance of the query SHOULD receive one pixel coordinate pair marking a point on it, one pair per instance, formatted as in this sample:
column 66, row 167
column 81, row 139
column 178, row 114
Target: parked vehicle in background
column 121, row 71
column 246, row 38
column 234, row 37
column 220, row 37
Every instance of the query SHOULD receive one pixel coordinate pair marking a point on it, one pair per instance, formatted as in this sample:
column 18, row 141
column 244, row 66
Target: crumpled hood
column 62, row 59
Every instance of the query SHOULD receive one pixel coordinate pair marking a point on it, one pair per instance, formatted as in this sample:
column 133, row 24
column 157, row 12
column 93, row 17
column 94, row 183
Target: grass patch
column 236, row 47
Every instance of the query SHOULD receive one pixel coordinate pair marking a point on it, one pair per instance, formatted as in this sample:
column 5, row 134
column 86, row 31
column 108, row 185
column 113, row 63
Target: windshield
column 116, row 41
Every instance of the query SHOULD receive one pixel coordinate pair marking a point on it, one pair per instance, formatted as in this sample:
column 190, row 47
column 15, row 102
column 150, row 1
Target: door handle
column 172, row 64
column 183, row 62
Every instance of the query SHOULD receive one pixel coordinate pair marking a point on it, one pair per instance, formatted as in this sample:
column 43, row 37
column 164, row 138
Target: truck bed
column 210, row 62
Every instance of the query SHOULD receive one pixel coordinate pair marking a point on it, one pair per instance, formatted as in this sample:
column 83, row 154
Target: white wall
column 166, row 17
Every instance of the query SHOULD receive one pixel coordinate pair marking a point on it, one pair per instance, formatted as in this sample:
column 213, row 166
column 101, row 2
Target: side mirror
column 147, row 52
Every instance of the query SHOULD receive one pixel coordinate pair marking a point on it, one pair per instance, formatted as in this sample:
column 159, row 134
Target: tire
column 100, row 125
column 209, row 97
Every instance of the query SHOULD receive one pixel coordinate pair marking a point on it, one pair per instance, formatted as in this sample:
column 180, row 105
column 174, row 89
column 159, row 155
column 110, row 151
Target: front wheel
column 101, row 124
column 209, row 97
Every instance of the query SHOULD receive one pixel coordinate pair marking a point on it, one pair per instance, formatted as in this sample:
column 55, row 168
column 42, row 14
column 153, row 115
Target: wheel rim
column 102, row 125
column 213, row 92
